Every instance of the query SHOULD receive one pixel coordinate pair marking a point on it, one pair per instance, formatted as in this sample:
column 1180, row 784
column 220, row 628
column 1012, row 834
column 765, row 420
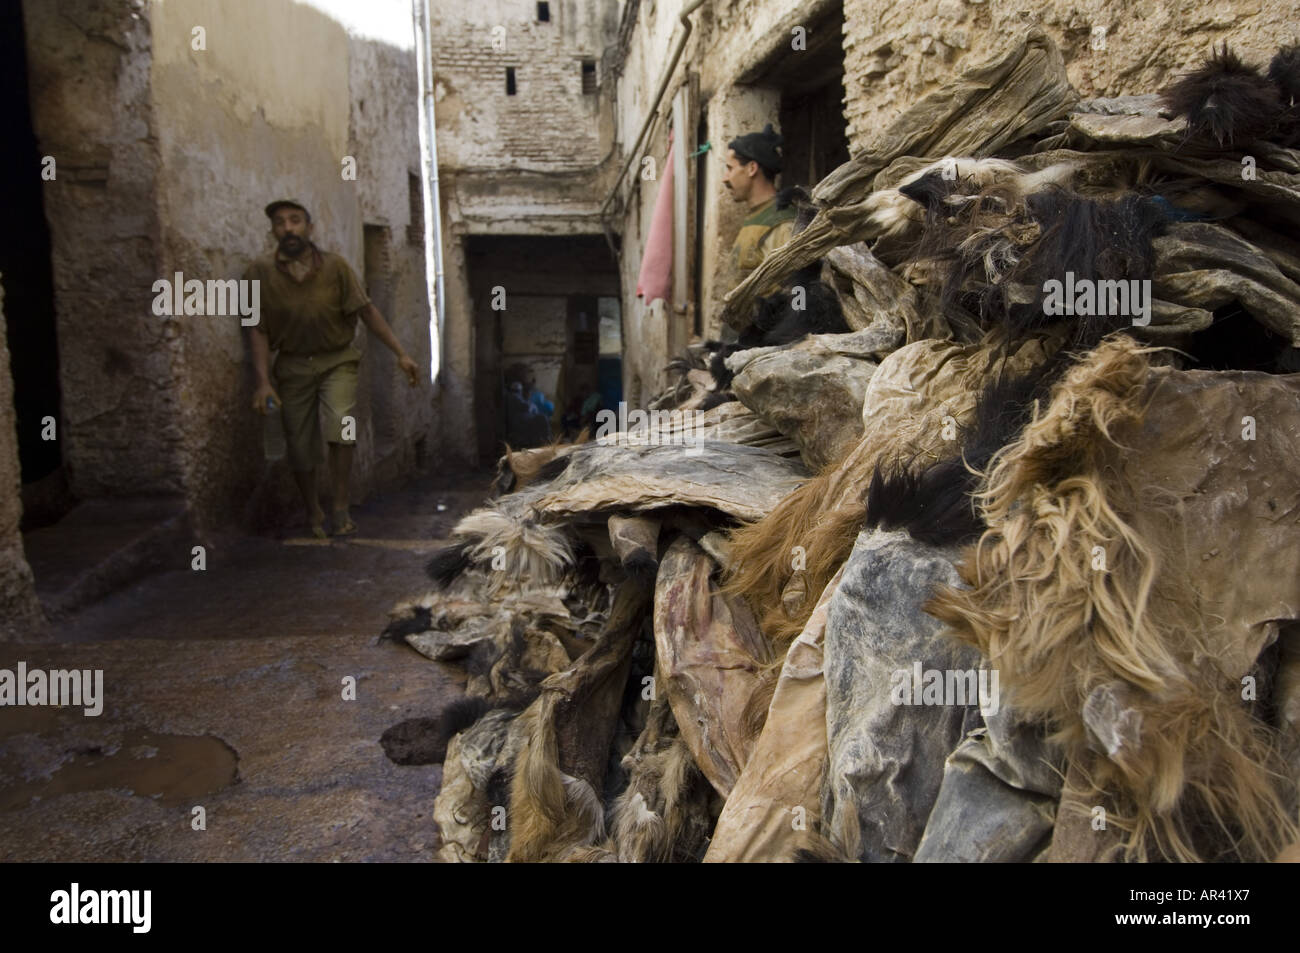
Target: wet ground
column 242, row 705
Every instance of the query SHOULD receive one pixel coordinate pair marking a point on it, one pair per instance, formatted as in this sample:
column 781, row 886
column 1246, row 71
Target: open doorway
column 811, row 87
column 27, row 277
column 545, row 313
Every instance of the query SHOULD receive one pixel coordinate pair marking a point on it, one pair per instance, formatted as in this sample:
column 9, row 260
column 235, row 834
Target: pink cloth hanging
column 656, row 277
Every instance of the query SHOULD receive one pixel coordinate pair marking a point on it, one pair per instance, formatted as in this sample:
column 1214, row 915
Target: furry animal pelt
column 517, row 551
column 935, row 503
column 1184, row 763
column 424, row 740
column 518, row 468
column 662, row 815
column 1229, row 103
column 936, row 189
column 807, row 305
column 477, row 759
column 555, row 794
column 443, row 567
column 1001, row 249
column 812, row 517
column 551, row 812
column 1284, row 72
column 717, row 398
column 821, row 851
column 822, row 518
column 932, row 504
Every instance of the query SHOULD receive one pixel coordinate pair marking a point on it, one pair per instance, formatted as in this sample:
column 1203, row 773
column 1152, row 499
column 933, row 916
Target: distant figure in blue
column 539, row 401
column 528, row 419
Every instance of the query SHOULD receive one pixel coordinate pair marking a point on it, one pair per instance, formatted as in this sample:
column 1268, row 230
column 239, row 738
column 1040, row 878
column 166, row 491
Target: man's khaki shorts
column 309, row 384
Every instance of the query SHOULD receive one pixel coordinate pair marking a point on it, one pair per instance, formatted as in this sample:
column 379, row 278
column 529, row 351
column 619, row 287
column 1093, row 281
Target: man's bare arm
column 261, row 357
column 262, row 389
column 376, row 323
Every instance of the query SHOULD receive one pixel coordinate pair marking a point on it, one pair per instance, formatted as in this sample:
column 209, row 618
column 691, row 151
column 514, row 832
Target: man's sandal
column 343, row 525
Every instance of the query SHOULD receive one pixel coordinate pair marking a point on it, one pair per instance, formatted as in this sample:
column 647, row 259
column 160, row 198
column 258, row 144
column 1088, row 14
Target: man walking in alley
column 310, row 302
column 753, row 163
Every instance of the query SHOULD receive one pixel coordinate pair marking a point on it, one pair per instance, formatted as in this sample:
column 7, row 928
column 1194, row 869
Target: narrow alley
column 224, row 690
column 648, row 431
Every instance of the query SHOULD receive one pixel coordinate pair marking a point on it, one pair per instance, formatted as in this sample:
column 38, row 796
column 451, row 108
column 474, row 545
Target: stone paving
column 224, row 690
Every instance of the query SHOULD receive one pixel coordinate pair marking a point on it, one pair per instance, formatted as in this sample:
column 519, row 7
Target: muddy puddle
column 172, row 768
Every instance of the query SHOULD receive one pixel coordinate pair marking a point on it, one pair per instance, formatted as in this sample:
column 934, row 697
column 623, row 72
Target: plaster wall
column 330, row 119
column 731, row 43
column 173, row 122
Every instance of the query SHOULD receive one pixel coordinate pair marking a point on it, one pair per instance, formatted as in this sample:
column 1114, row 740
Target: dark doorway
column 812, row 104
column 544, row 308
column 811, row 82
column 28, row 284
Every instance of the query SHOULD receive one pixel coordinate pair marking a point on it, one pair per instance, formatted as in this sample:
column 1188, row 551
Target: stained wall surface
column 174, row 122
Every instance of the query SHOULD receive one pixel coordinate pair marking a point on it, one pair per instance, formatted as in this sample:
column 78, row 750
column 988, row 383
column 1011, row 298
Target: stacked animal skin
column 1025, row 410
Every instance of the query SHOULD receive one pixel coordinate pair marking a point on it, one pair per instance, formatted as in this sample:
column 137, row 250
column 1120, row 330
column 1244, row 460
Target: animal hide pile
column 586, row 608
column 986, row 528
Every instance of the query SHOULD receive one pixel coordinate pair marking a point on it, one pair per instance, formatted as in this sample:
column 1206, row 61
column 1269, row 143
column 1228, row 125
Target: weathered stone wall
column 896, row 53
column 385, row 139
column 20, row 612
column 89, row 63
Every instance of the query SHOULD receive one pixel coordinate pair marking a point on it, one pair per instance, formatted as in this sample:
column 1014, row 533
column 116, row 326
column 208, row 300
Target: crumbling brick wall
column 549, row 124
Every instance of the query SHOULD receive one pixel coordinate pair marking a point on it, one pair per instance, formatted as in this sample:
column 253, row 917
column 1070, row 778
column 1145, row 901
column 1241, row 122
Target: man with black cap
column 753, row 163
column 310, row 302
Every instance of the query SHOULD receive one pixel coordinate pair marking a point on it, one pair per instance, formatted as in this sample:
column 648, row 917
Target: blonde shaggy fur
column 650, row 819
column 519, row 551
column 526, row 464
column 551, row 813
column 1191, row 766
column 822, row 518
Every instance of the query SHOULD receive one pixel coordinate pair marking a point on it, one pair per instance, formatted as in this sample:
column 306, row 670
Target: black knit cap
column 760, row 147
